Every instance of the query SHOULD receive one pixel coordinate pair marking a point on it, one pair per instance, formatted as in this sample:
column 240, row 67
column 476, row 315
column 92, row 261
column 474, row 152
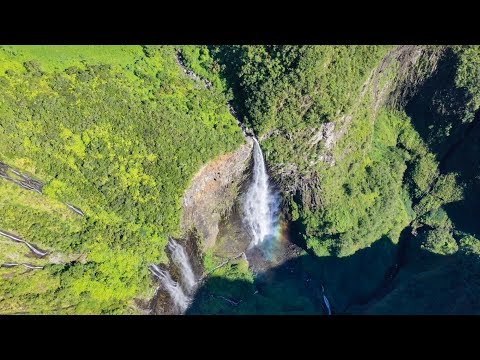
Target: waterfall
column 179, row 298
column 262, row 204
column 179, row 292
column 180, row 258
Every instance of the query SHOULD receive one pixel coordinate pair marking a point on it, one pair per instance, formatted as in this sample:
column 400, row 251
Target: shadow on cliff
column 295, row 287
column 439, row 113
column 419, row 282
column 431, row 284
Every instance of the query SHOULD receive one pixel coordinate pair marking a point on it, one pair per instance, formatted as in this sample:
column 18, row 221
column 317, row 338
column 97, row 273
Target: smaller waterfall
column 327, row 303
column 180, row 258
column 174, row 289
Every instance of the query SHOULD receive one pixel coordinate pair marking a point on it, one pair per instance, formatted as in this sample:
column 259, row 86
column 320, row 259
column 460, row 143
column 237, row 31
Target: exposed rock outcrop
column 213, row 192
column 190, row 73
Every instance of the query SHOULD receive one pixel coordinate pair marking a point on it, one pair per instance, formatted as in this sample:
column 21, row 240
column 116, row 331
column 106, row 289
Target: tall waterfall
column 262, row 204
column 180, row 258
column 179, row 298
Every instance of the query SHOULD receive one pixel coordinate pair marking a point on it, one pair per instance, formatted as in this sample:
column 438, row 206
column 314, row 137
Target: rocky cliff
column 213, row 192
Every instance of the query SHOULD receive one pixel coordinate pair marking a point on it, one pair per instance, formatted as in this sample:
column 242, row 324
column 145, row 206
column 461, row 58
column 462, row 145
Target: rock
column 213, row 192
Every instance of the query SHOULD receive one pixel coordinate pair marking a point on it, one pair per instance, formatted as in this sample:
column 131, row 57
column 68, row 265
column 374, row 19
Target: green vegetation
column 118, row 132
column 468, row 76
column 384, row 174
column 199, row 60
column 440, row 242
column 357, row 211
column 295, row 87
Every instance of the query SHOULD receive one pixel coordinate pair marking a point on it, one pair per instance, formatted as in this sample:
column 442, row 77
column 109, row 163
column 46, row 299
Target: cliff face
column 212, row 193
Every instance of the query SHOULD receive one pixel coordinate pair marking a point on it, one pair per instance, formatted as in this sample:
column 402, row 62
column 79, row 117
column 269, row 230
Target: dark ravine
column 390, row 275
column 410, row 233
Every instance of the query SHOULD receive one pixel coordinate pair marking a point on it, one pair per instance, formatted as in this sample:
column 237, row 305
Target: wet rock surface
column 213, row 192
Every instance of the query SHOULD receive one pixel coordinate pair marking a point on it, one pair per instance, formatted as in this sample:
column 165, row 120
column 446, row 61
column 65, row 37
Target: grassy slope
column 118, row 131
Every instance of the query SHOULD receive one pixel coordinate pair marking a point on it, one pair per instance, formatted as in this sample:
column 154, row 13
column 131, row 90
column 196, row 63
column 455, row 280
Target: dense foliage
column 468, row 76
column 384, row 175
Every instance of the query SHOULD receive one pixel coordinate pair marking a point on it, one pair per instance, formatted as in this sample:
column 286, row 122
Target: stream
column 15, row 238
column 28, row 266
column 29, row 183
column 22, row 180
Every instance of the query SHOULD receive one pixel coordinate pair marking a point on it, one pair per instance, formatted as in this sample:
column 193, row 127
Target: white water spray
column 180, row 258
column 262, row 205
column 179, row 298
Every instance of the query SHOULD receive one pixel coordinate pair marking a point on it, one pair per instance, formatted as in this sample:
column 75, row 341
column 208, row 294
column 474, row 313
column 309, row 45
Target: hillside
column 118, row 132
